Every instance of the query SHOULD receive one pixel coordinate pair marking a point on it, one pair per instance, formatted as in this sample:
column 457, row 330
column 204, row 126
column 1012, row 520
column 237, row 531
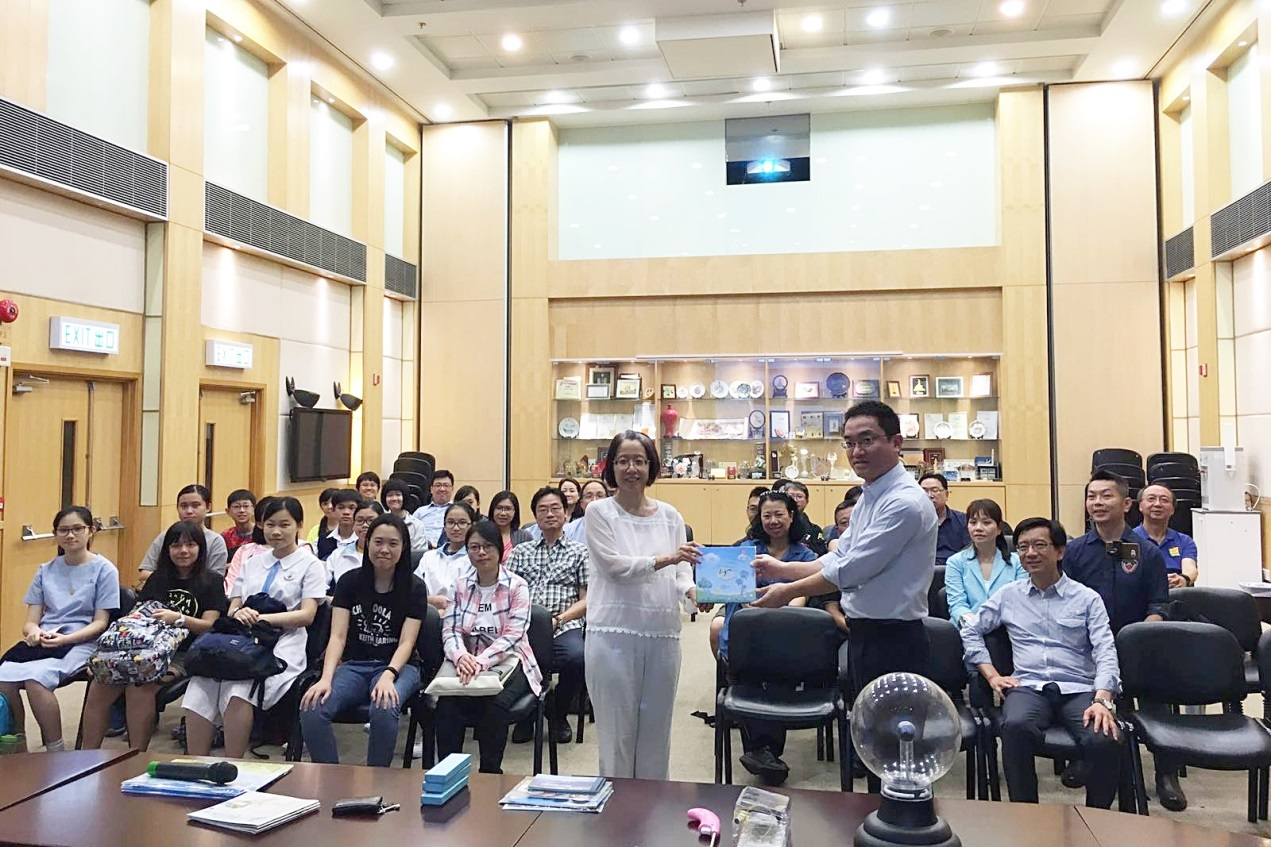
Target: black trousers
column 879, row 647
column 489, row 715
column 1026, row 714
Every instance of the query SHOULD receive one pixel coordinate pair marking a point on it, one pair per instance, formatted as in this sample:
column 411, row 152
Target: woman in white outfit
column 641, row 571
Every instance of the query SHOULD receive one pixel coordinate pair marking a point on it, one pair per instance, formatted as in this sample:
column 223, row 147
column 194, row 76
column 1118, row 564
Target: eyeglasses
column 865, row 442
column 364, row 521
column 549, row 509
column 458, row 524
column 631, row 462
column 1037, row 546
column 68, row 531
column 479, row 547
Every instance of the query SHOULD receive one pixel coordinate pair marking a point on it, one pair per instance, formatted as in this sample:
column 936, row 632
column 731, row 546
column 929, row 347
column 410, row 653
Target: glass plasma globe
column 907, row 731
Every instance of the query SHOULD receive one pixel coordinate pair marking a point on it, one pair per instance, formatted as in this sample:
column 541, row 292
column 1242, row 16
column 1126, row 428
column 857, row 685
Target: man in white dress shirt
column 433, row 513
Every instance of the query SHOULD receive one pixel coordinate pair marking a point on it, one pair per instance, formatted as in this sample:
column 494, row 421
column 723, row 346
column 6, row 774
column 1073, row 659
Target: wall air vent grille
column 1241, row 222
column 52, row 152
column 271, row 230
column 401, row 278
column 1180, row 253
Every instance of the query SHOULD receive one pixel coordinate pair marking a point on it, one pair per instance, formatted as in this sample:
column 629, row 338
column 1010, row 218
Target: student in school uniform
column 193, row 503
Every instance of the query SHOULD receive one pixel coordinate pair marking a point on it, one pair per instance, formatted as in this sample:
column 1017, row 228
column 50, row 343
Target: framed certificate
column 628, row 388
column 833, row 425
column 598, row 390
column 920, row 386
column 807, row 390
column 949, row 386
column 779, row 423
column 812, row 424
column 893, row 389
column 569, row 388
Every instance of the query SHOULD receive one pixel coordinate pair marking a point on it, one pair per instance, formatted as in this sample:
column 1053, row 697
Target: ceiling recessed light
column 879, row 18
column 813, row 23
column 237, row 38
column 1171, row 8
column 697, row 166
column 443, row 111
column 856, row 207
column 381, row 61
column 511, row 42
column 330, row 99
column 762, row 84
column 1187, row 98
column 1123, row 68
column 858, row 186
column 575, row 226
column 873, row 76
column 558, row 97
column 633, row 197
column 986, row 69
column 790, row 209
column 654, row 218
column 1011, row 8
column 1243, row 44
column 710, row 193
column 655, row 91
column 937, row 184
column 722, row 215
column 629, row 35
column 597, row 246
column 221, row 39
column 734, row 229
column 924, row 208
column 613, row 168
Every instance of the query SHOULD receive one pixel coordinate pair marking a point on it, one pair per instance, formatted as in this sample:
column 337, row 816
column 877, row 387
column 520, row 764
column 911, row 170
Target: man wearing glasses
column 433, row 513
column 883, row 566
column 556, row 570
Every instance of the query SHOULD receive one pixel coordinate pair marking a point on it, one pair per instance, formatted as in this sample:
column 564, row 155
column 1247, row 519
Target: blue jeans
column 351, row 688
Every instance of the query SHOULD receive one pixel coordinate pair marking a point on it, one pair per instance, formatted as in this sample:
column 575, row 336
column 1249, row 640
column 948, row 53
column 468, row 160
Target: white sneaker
column 417, row 752
column 366, row 727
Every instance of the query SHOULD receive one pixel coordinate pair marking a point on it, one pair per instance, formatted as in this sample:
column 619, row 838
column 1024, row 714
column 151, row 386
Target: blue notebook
column 448, row 768
column 724, row 575
column 430, row 799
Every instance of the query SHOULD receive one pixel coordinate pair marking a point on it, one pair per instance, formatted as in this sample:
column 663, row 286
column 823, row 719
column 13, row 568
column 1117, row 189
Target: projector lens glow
column 767, row 166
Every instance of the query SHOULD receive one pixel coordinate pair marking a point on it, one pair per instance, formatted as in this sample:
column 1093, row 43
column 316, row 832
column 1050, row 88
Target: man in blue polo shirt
column 1156, row 502
column 1130, row 577
column 951, row 531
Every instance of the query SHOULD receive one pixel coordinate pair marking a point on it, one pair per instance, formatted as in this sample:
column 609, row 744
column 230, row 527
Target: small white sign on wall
column 229, row 354
column 84, row 336
column 6, row 357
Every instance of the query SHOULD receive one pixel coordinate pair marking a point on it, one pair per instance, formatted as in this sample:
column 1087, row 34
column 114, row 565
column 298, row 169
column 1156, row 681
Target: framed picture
column 893, row 389
column 598, row 390
column 600, row 376
column 569, row 388
column 920, row 386
column 779, row 422
column 834, row 425
column 933, row 458
column 668, row 391
column 812, row 424
column 948, row 386
column 981, row 385
column 807, row 390
column 865, row 388
column 627, row 388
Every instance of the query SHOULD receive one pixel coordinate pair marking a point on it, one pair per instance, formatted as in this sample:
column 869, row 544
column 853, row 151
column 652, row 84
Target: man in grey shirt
column 193, row 503
column 1066, row 670
column 883, row 566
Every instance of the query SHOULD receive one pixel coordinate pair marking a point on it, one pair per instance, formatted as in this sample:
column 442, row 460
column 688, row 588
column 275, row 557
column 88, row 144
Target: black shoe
column 523, row 732
column 563, row 732
column 1169, row 793
column 484, row 769
column 116, row 731
column 763, row 764
column 1074, row 775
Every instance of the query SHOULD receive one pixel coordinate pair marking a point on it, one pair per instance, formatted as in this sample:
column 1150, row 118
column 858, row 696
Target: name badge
column 1175, row 552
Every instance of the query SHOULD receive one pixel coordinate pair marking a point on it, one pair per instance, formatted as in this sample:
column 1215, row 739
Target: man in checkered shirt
column 556, row 570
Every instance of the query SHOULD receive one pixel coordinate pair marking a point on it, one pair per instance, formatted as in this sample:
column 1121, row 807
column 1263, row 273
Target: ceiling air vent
column 1241, row 225
column 401, row 278
column 1180, row 254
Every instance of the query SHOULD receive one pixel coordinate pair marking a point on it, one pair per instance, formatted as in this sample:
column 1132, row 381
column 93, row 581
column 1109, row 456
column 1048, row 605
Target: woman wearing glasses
column 440, row 566
column 67, row 606
column 641, row 571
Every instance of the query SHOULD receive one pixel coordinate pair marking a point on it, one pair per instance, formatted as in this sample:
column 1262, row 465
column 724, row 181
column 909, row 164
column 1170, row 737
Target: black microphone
column 218, row 772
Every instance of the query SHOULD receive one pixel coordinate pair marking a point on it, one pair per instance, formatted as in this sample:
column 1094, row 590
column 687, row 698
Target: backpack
column 137, row 648
column 235, row 651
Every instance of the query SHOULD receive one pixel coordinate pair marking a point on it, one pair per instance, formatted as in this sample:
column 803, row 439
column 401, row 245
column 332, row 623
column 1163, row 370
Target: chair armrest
column 979, row 693
column 1263, row 656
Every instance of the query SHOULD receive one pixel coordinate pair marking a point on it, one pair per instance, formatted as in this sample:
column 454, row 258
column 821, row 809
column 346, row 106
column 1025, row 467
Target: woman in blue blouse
column 975, row 574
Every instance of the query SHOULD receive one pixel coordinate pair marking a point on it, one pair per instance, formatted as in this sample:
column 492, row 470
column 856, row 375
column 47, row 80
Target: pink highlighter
column 706, row 822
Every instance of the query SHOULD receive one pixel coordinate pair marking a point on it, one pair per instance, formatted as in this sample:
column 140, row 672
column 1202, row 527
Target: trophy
column 803, row 462
column 832, row 458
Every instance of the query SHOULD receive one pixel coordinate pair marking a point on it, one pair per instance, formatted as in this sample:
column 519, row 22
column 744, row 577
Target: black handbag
column 23, row 652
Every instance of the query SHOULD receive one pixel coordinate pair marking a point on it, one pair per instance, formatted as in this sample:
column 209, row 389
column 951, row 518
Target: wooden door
column 46, row 467
column 102, row 484
column 225, row 445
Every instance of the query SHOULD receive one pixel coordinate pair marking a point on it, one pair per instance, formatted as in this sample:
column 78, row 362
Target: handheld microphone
column 218, row 772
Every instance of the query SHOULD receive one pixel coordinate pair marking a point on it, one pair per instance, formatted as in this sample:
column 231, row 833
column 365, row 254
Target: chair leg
column 1254, row 779
column 79, row 733
column 412, row 727
column 582, row 713
column 1060, row 764
column 538, row 738
column 719, row 747
column 994, row 778
column 552, row 761
column 972, row 753
column 728, row 748
column 1264, row 779
column 829, row 740
column 430, row 744
column 820, row 744
column 845, row 756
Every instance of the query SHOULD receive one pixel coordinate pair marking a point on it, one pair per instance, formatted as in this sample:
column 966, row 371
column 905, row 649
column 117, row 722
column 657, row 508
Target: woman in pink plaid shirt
column 488, row 622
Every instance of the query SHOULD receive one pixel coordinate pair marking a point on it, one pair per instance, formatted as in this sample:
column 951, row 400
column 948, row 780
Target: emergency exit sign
column 84, row 336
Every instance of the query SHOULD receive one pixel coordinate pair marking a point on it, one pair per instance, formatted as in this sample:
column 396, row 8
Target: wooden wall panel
column 24, row 47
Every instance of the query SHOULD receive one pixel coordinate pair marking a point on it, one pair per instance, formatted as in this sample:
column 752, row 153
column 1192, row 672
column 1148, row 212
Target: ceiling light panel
column 879, row 18
column 1078, row 25
column 1012, row 8
column 455, row 47
column 949, row 13
column 570, row 40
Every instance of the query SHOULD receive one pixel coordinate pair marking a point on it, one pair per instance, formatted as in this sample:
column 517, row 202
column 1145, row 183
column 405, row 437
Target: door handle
column 29, row 533
column 113, row 526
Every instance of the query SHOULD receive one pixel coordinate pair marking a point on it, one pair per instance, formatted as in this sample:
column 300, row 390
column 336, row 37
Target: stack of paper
column 254, row 813
column 546, row 793
column 252, row 776
column 448, row 778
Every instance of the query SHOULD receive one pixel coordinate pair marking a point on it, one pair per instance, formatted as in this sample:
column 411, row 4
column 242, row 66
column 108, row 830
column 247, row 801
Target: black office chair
column 1182, row 519
column 415, row 454
column 530, row 706
column 408, row 463
column 1187, row 459
column 1172, row 469
column 938, row 606
column 1115, row 456
column 1177, row 663
column 127, row 600
column 937, row 582
column 1179, row 484
column 429, row 632
column 1234, row 611
column 412, row 502
column 768, row 681
column 416, row 480
column 948, row 670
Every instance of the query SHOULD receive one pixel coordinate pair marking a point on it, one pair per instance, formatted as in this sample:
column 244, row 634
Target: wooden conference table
column 91, row 810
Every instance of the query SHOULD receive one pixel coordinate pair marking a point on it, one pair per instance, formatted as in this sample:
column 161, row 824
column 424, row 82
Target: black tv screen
column 319, row 444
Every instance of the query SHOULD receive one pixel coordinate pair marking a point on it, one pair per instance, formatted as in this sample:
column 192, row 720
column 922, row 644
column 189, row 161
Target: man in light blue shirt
column 432, row 515
column 1066, row 670
column 883, row 566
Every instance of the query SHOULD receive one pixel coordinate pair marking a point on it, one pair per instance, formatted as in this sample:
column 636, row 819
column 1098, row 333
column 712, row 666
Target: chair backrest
column 431, row 654
column 127, row 600
column 1175, row 469
column 411, row 478
column 1115, row 455
column 1229, row 608
column 947, row 668
column 1133, row 474
column 408, row 463
column 416, row 556
column 933, row 593
column 541, row 639
column 1172, row 458
column 1181, row 663
column 789, row 646
column 411, row 503
column 688, row 532
column 1179, row 483
column 319, row 633
column 938, row 606
column 415, row 454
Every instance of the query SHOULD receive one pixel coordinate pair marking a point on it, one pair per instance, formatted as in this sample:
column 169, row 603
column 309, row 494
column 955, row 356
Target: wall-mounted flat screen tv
column 319, row 444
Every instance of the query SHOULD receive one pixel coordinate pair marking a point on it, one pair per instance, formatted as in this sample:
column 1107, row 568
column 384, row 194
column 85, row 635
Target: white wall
column 235, row 118
column 394, row 201
column 310, row 315
column 63, row 250
column 98, row 71
column 330, row 168
column 1244, row 122
column 1251, row 301
column 880, row 181
column 393, row 374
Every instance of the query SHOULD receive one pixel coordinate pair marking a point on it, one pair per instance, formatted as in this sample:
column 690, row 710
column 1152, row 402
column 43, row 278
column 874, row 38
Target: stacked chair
column 1128, row 465
column 1180, row 473
column 416, row 470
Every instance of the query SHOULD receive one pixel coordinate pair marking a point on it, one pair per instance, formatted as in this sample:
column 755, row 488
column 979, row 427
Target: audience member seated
column 975, row 574
column 368, row 485
column 241, row 508
column 593, row 490
column 441, row 566
column 774, row 531
column 810, row 534
column 68, row 605
column 349, row 557
column 1066, row 670
column 322, row 527
column 393, row 495
column 433, row 513
column 951, row 531
column 193, row 503
column 505, row 511
column 572, row 490
column 194, row 597
column 1156, row 503
column 555, row 569
column 291, row 575
column 488, row 622
column 371, row 657
column 842, row 516
column 752, row 510
column 344, row 503
column 1130, row 577
column 255, row 547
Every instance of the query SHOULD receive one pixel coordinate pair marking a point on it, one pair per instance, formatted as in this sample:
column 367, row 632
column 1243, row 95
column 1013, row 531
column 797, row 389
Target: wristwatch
column 1107, row 703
